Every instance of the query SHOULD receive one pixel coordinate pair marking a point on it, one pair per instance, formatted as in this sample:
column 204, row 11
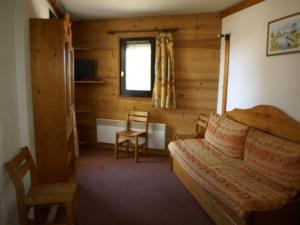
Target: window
column 137, row 67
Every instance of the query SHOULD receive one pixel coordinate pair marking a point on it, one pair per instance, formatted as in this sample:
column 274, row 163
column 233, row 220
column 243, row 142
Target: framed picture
column 284, row 35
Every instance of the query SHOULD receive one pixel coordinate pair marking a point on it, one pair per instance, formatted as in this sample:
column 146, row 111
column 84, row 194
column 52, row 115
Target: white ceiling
column 94, row 9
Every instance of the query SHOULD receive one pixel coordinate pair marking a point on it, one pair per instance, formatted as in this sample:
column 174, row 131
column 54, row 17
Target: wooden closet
column 52, row 63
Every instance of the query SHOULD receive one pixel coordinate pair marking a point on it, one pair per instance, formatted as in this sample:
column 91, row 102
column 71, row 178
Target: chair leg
column 76, row 208
column 127, row 147
column 146, row 145
column 37, row 214
column 22, row 213
column 136, row 149
column 116, row 146
column 70, row 213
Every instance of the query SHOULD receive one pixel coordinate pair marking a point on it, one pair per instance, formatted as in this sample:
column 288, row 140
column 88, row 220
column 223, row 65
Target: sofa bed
column 244, row 169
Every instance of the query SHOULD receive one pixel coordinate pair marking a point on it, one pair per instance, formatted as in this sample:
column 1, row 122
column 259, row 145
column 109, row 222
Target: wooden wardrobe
column 52, row 64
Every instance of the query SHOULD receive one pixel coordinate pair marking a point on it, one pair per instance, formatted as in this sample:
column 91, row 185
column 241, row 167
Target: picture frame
column 284, row 35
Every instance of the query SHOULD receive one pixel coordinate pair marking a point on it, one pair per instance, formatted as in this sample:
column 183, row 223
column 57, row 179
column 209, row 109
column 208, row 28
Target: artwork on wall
column 284, row 35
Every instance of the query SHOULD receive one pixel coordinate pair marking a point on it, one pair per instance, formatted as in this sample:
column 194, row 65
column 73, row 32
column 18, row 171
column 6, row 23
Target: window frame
column 135, row 93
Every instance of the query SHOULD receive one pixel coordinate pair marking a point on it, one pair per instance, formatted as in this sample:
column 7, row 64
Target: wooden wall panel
column 197, row 56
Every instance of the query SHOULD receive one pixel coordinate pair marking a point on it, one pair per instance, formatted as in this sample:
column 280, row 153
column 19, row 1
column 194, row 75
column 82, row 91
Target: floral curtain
column 164, row 86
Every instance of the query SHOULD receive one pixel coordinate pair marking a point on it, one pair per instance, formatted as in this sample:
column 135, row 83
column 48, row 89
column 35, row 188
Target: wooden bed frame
column 270, row 120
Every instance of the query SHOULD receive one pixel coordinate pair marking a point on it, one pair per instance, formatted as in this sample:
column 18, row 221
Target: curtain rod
column 112, row 32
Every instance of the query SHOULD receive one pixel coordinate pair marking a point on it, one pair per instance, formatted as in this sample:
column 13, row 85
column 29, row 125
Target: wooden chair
column 200, row 125
column 130, row 137
column 39, row 195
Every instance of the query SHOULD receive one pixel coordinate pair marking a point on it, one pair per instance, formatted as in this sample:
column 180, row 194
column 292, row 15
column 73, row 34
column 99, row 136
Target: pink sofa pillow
column 274, row 157
column 226, row 135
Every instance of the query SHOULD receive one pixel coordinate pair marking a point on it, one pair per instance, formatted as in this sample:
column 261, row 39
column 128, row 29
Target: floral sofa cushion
column 227, row 178
column 274, row 157
column 226, row 135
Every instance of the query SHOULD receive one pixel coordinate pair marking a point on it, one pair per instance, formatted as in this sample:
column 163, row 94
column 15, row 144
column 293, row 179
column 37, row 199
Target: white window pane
column 138, row 67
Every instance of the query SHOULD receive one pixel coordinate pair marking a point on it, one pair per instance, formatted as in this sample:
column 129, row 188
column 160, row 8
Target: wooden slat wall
column 197, row 56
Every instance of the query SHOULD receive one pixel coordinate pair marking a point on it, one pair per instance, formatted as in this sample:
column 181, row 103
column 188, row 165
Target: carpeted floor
column 122, row 192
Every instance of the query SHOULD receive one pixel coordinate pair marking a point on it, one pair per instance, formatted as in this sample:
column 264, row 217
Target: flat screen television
column 84, row 69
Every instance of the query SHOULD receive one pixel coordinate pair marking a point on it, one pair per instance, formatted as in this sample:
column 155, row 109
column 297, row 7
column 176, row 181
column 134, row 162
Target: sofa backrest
column 268, row 119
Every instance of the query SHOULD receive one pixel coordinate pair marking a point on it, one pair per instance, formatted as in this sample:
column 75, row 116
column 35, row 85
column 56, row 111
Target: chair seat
column 130, row 133
column 51, row 193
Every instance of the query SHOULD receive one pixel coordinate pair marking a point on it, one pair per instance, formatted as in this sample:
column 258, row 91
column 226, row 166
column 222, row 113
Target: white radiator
column 107, row 128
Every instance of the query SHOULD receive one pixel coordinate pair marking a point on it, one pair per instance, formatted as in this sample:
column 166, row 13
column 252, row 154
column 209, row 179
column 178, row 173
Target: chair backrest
column 201, row 123
column 18, row 168
column 137, row 116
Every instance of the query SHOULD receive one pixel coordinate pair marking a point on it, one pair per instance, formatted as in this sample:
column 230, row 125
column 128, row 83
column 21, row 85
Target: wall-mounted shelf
column 98, row 82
